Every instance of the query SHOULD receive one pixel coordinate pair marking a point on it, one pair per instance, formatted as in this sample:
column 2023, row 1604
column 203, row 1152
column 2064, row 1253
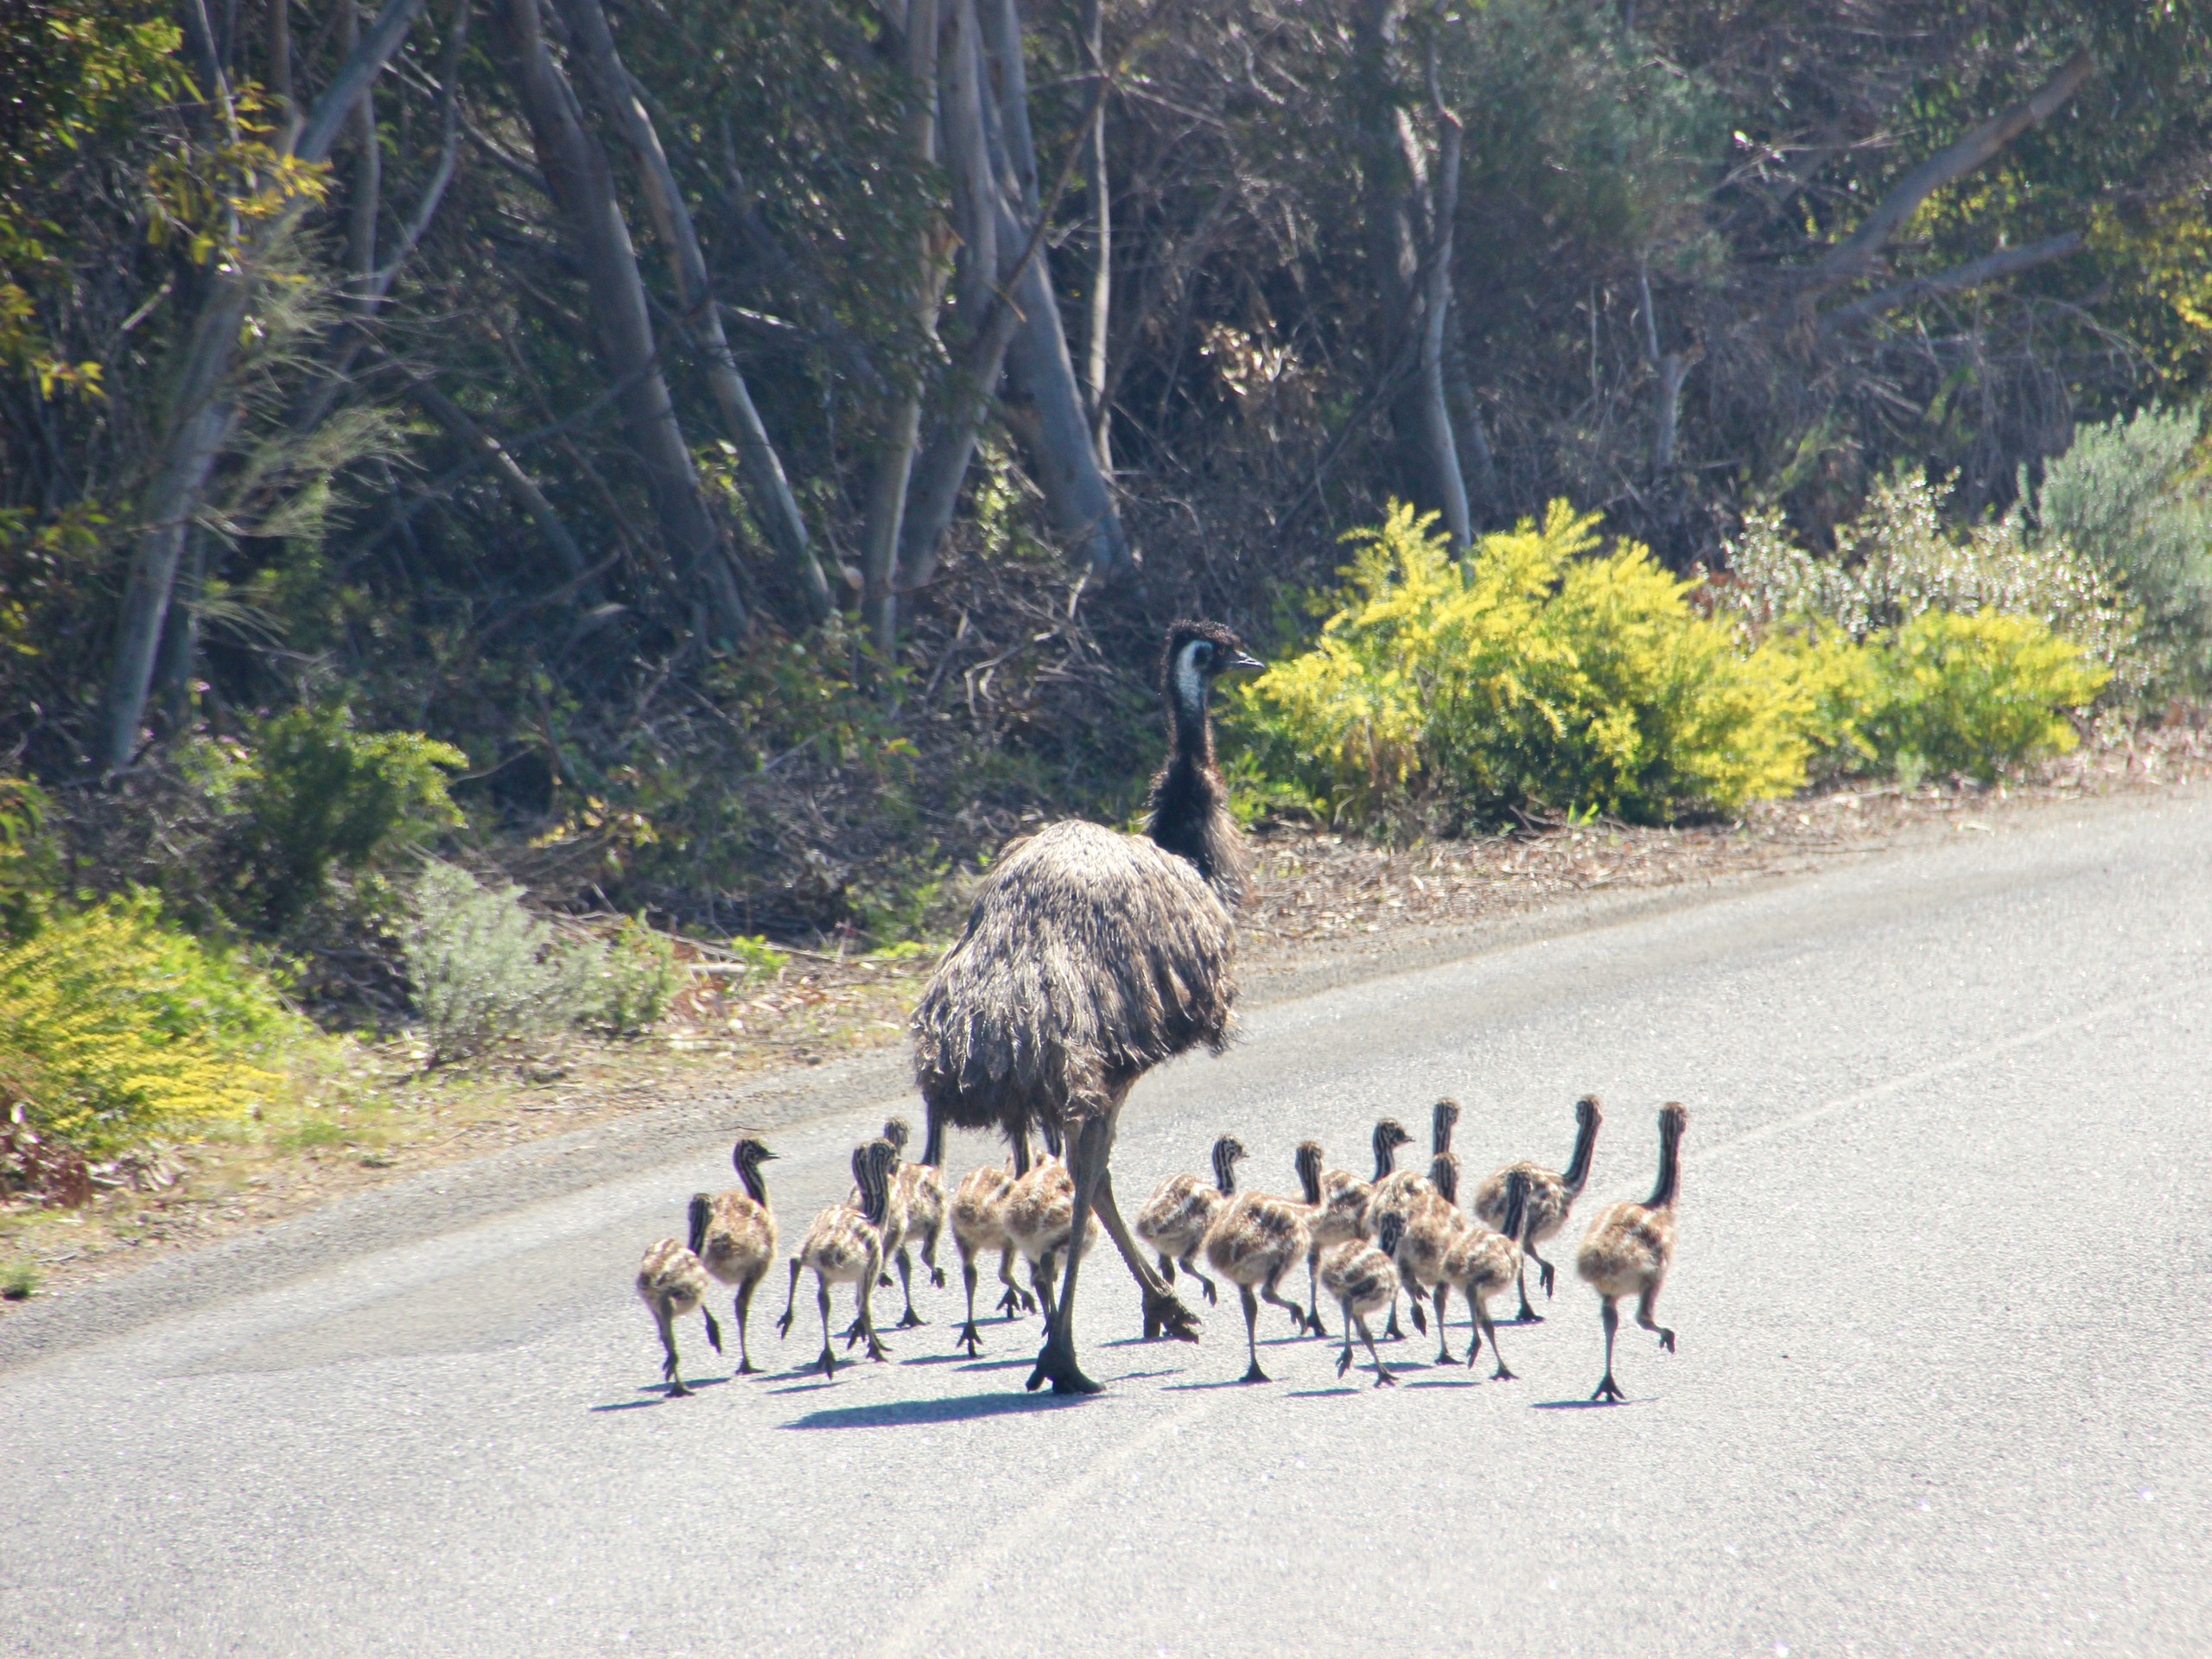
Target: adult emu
column 1089, row 958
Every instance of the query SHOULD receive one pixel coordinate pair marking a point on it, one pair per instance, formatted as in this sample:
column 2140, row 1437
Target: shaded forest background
column 764, row 440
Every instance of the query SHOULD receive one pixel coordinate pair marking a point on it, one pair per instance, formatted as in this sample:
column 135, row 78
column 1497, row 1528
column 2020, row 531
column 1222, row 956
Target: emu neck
column 1309, row 1177
column 1225, row 1175
column 1517, row 1208
column 1577, row 1166
column 933, row 1142
column 755, row 1188
column 1386, row 1155
column 1670, row 1173
column 702, row 1208
column 1444, row 1176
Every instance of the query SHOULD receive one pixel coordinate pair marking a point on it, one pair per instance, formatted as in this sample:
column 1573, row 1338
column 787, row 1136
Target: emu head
column 1196, row 651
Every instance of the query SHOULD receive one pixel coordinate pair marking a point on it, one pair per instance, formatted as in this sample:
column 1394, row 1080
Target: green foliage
column 115, row 1025
column 1541, row 674
column 625, row 988
column 761, row 960
column 19, row 1281
column 1976, row 694
column 1899, row 560
column 313, row 791
column 2128, row 496
column 29, row 866
column 482, row 966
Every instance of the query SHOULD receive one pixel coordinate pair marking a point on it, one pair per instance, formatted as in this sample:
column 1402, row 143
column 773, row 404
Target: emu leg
column 1482, row 1316
column 1382, row 1377
column 866, row 1287
column 1527, row 1315
column 1644, row 1318
column 669, row 1375
column 1270, row 1293
column 909, row 1318
column 784, row 1324
column 1189, row 1265
column 1313, row 1298
column 1088, row 1149
column 1252, row 1372
column 1609, row 1389
column 1443, row 1293
column 968, row 1338
column 828, row 1363
column 929, row 1256
column 745, row 1365
column 1161, row 1304
column 1016, row 1300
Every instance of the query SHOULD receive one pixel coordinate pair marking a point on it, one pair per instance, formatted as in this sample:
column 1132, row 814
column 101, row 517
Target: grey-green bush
column 483, row 967
column 2126, row 495
column 623, row 986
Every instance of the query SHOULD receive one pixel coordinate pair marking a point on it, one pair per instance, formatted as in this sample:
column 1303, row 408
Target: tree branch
column 1852, row 257
column 2006, row 262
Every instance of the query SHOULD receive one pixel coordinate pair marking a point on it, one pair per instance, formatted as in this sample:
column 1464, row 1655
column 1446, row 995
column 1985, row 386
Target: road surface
column 1944, row 1293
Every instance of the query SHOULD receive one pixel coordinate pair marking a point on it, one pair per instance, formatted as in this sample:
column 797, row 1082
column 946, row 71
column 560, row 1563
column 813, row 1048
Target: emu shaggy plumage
column 1089, row 956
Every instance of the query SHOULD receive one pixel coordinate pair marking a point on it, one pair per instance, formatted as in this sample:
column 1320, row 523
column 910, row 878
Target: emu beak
column 1247, row 663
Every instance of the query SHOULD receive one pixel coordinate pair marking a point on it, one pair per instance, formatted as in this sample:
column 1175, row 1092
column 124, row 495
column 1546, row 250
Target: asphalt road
column 1943, row 1295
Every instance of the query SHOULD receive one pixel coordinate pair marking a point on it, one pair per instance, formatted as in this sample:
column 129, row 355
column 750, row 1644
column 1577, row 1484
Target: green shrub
column 28, row 865
column 2126, row 495
column 1541, row 673
column 114, row 1026
column 482, row 966
column 1899, row 560
column 625, row 986
column 1975, row 694
column 313, row 792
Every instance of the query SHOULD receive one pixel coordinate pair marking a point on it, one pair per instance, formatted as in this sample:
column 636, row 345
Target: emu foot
column 1500, row 1374
column 1667, row 1339
column 1527, row 1315
column 937, row 1278
column 1254, row 1374
column 676, row 1390
column 875, row 1348
column 1015, row 1302
column 909, row 1319
column 1056, row 1365
column 1609, row 1389
column 1313, row 1325
column 746, row 1368
column 969, row 1338
column 1164, row 1311
column 1421, row 1319
column 827, row 1363
column 883, row 1282
column 1385, row 1380
column 1543, row 1279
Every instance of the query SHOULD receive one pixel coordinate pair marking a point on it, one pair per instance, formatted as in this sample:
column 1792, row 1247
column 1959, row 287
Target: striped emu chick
column 920, row 1203
column 734, row 1236
column 1483, row 1262
column 1364, row 1279
column 979, row 1225
column 1550, row 1198
column 1039, row 1216
column 1254, row 1242
column 1339, row 1200
column 1397, row 1191
column 845, row 1247
column 1176, row 1218
column 671, row 1282
column 1433, row 1226
column 1628, row 1248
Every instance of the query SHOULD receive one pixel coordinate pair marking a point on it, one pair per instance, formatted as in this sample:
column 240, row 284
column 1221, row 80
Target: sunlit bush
column 114, row 1026
column 1541, row 673
column 1976, row 694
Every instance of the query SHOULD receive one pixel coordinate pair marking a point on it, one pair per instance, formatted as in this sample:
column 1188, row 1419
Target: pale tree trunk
column 1099, row 309
column 368, row 184
column 1672, row 368
column 894, row 461
column 1484, row 500
column 766, row 481
column 200, row 415
column 1078, row 498
column 1436, row 303
column 576, row 175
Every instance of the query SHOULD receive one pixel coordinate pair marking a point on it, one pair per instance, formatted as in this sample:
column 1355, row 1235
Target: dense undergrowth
column 178, row 946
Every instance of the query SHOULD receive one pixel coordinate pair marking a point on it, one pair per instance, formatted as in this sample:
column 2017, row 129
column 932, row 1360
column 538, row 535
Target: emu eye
column 1202, row 654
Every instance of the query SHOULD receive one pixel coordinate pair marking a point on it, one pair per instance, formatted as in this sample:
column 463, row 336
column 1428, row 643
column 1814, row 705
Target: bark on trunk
column 894, row 461
column 368, row 184
column 1098, row 309
column 764, row 478
column 1041, row 374
column 1436, row 304
column 200, row 418
column 577, row 176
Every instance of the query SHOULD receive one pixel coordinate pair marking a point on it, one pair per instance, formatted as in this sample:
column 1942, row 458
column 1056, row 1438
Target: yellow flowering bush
column 113, row 1027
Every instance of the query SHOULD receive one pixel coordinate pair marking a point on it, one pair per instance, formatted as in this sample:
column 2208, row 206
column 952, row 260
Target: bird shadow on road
column 907, row 1414
column 657, row 1394
column 1580, row 1405
column 1445, row 1383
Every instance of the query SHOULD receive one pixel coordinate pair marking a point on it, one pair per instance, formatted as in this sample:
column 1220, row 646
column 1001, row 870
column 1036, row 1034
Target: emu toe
column 1667, row 1340
column 909, row 1319
column 1255, row 1374
column 827, row 1365
column 969, row 1338
column 1609, row 1389
column 1421, row 1319
column 1174, row 1320
column 937, row 1278
column 1056, row 1365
